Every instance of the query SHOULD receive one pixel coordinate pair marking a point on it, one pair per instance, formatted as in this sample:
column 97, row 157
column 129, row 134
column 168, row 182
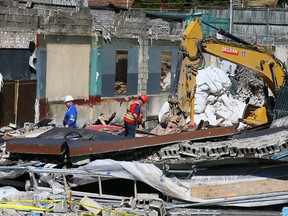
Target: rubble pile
column 249, row 87
column 40, row 202
column 29, row 129
column 55, row 183
column 265, row 146
column 165, row 72
column 120, row 87
column 56, row 162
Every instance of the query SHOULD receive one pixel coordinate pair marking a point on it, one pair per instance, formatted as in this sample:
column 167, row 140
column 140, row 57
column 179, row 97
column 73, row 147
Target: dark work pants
column 130, row 130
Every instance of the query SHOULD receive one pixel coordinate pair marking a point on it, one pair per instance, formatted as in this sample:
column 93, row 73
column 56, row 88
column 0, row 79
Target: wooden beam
column 244, row 188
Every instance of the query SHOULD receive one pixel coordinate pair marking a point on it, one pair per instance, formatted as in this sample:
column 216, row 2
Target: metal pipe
column 229, row 200
column 96, row 195
column 16, row 101
column 227, row 34
column 231, row 16
column 100, row 185
column 65, row 183
column 135, row 189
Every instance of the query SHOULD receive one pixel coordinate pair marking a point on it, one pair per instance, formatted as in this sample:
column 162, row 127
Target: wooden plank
column 244, row 188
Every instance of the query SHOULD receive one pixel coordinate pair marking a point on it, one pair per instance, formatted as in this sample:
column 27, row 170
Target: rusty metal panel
column 80, row 147
column 98, row 142
column 17, row 102
column 7, row 103
column 36, row 146
column 26, row 102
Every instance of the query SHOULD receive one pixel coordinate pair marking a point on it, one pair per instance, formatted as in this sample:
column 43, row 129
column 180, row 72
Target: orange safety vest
column 129, row 115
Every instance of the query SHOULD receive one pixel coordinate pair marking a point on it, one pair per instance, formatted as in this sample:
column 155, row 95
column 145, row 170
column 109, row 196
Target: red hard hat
column 144, row 98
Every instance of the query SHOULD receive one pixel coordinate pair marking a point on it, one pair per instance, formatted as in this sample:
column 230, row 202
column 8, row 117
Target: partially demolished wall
column 64, row 20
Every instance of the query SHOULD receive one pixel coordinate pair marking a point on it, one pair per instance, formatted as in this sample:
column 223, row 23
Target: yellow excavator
column 257, row 58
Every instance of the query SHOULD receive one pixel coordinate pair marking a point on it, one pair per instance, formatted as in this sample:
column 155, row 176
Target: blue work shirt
column 137, row 109
column 71, row 116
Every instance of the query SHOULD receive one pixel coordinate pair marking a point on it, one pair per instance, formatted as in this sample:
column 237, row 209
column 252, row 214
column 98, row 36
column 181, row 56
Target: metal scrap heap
column 67, row 171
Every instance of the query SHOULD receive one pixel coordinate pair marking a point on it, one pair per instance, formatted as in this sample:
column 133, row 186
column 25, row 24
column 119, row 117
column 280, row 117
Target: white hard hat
column 68, row 98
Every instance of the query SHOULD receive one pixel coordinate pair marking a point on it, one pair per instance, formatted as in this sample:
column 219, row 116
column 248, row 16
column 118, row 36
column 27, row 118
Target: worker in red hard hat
column 133, row 116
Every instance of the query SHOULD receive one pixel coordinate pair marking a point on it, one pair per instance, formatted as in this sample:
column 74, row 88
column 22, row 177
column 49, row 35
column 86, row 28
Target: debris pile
column 165, row 71
column 41, row 202
column 249, row 87
column 120, row 87
column 213, row 101
column 29, row 129
column 178, row 171
column 269, row 144
column 185, row 168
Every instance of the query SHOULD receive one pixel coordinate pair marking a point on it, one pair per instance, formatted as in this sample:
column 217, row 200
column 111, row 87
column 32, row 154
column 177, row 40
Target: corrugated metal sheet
column 265, row 25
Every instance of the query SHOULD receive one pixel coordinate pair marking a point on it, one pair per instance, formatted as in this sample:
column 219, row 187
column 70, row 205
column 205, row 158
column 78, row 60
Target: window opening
column 165, row 71
column 121, row 71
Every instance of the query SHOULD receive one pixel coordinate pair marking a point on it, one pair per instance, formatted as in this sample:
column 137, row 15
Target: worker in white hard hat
column 71, row 113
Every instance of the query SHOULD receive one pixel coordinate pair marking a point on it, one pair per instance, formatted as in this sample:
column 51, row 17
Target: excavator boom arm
column 238, row 51
column 263, row 63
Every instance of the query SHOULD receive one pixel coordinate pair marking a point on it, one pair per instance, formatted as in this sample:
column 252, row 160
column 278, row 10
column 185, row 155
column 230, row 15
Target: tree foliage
column 178, row 4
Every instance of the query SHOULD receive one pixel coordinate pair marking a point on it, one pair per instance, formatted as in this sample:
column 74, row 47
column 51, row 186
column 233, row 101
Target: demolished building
column 139, row 52
column 181, row 167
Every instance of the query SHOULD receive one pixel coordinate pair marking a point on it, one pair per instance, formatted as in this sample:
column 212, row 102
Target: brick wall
column 59, row 21
column 19, row 25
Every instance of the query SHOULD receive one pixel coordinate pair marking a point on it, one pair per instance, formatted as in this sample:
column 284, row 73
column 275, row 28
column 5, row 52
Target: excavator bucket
column 255, row 115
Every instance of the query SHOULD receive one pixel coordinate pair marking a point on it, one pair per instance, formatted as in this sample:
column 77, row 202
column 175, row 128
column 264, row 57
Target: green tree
column 178, row 4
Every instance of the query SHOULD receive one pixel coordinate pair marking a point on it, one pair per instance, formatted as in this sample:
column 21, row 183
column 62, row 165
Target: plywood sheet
column 244, row 188
column 67, row 71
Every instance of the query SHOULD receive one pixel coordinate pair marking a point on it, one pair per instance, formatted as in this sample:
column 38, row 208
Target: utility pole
column 231, row 16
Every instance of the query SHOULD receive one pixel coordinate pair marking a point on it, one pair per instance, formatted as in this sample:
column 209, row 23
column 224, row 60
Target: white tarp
column 11, row 193
column 213, row 101
column 177, row 188
column 180, row 188
column 147, row 173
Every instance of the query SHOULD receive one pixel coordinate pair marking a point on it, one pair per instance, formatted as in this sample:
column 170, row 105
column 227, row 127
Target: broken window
column 121, row 71
column 165, row 71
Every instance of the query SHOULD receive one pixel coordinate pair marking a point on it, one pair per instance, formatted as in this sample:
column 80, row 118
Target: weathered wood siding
column 266, row 25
